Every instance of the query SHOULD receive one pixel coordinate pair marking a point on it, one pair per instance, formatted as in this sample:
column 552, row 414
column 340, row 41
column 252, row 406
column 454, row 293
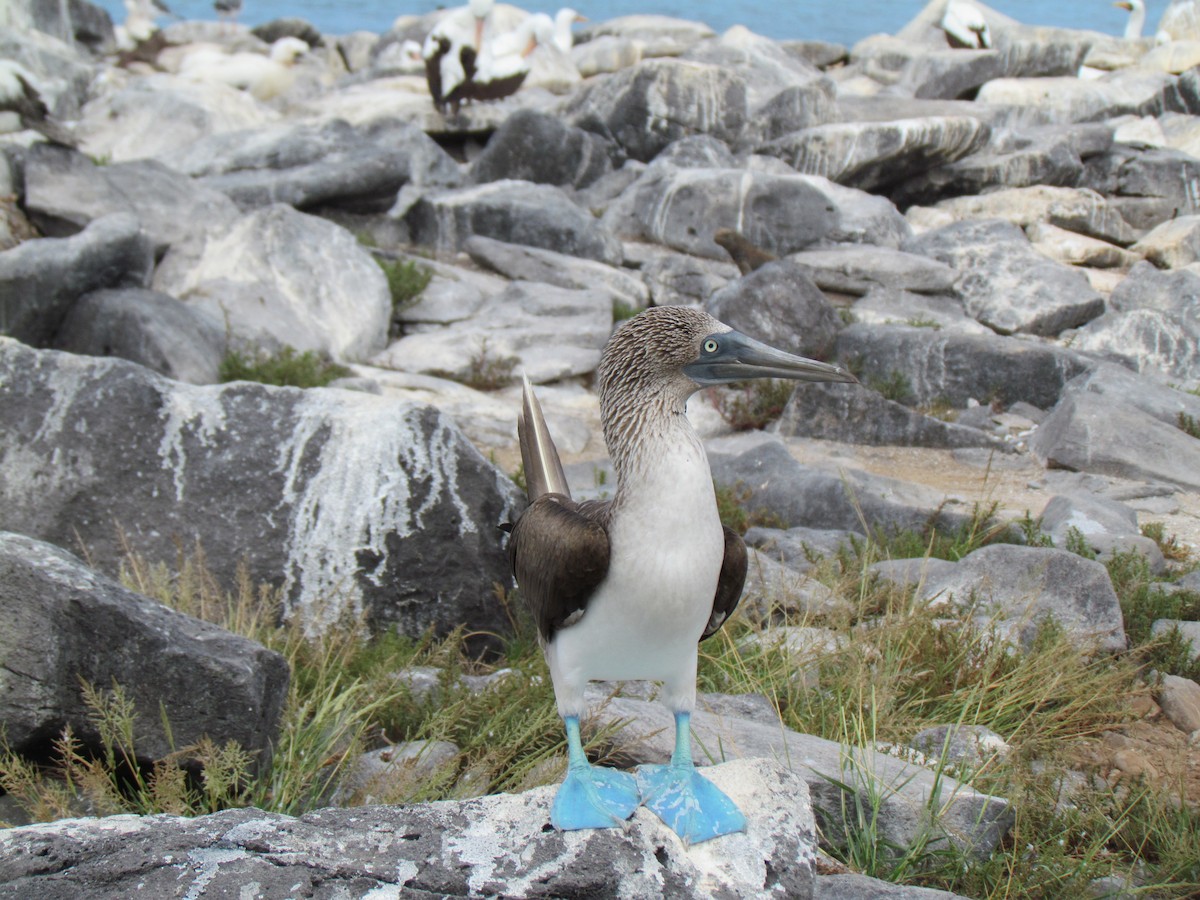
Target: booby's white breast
column 645, row 619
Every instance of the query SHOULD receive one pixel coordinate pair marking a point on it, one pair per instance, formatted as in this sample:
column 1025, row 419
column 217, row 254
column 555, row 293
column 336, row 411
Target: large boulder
column 950, row 364
column 65, row 625
column 875, row 155
column 41, row 280
column 499, row 845
column 683, row 207
column 147, row 328
column 1090, row 429
column 278, row 276
column 1006, row 284
column 780, row 304
column 347, row 501
column 647, row 106
column 534, row 146
column 65, row 191
column 517, row 212
column 1025, row 586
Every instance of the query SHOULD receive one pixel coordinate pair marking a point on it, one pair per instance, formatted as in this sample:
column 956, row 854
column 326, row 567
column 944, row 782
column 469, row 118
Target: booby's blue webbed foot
column 691, row 805
column 591, row 796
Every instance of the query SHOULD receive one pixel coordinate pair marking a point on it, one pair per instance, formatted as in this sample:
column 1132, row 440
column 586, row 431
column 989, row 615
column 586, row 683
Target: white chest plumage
column 646, row 618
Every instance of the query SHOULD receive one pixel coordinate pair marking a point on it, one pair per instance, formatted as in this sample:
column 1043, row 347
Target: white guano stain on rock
column 196, row 411
column 208, row 861
column 349, row 472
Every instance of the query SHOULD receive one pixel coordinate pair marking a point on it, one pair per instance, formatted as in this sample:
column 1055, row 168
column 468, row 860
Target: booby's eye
column 710, row 346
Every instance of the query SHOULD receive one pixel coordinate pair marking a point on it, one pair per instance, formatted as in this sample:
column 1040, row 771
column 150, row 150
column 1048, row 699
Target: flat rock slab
column 857, row 268
column 348, row 501
column 201, row 679
column 1160, row 344
column 1089, row 431
column 875, row 155
column 960, row 367
column 970, row 820
column 1007, row 285
column 500, row 845
column 1023, row 586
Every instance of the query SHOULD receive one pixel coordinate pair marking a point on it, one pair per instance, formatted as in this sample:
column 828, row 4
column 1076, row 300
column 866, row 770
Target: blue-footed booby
column 627, row 588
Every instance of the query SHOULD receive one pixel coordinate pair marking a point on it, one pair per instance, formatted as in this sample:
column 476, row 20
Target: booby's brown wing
column 729, row 584
column 559, row 554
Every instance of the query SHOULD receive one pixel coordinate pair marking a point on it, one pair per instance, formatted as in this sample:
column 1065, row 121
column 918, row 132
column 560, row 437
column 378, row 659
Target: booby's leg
column 591, row 796
column 693, row 807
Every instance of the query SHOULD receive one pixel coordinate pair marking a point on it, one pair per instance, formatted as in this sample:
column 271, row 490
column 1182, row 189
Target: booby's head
column 673, row 351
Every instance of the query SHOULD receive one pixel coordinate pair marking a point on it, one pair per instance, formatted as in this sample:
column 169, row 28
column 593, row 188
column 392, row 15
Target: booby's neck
column 645, row 429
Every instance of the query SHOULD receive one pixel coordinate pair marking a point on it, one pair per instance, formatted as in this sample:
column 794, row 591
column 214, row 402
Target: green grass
column 407, row 280
column 285, row 368
column 1189, row 425
column 900, row 665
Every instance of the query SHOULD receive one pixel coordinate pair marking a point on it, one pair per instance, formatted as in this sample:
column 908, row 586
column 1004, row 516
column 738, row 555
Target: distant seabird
column 18, row 94
column 261, row 76
column 227, row 10
column 563, row 20
column 965, row 26
column 502, row 66
column 626, row 589
column 1137, row 17
column 140, row 22
column 451, row 48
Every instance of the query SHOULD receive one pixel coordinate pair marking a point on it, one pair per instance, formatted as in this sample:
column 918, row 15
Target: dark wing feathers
column 729, row 584
column 559, row 556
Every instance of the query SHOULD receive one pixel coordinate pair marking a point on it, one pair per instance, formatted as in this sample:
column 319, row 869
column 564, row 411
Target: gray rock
column 1189, row 631
column 875, row 155
column 1078, row 250
column 1075, row 209
column 682, row 208
column 835, row 773
column 791, row 109
column 779, row 304
column 64, row 75
column 1180, row 702
column 147, row 328
column 954, row 73
column 546, row 332
column 1069, row 98
column 159, row 115
column 857, row 415
column 533, row 264
column 890, row 306
column 861, row 887
column 798, row 495
column 1107, row 526
column 799, row 547
column 345, row 500
column 958, row 367
column 626, row 108
column 65, row 624
column 1089, row 430
column 1020, row 587
column 1173, row 244
column 1160, row 177
column 857, row 269
column 284, row 277
column 910, row 573
column 392, row 774
column 41, row 280
column 516, row 212
column 678, row 278
column 965, row 746
column 65, row 191
column 1163, row 345
column 1006, row 284
column 773, row 588
column 1146, row 287
column 1049, row 159
column 765, row 66
column 661, row 35
column 534, row 146
column 496, row 845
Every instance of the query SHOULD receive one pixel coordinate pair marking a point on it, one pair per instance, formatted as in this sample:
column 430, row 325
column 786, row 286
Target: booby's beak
column 732, row 356
column 1125, row 5
column 478, row 34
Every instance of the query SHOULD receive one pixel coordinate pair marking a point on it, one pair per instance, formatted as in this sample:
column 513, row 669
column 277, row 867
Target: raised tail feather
column 543, row 469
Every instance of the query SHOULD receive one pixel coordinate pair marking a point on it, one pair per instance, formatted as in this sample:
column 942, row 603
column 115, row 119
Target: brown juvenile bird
column 745, row 255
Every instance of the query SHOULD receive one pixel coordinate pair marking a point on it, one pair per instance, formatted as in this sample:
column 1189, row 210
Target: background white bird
column 19, row 95
column 965, row 26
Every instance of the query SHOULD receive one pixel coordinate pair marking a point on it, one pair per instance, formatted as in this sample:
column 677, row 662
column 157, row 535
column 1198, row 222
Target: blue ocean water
column 830, row 20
